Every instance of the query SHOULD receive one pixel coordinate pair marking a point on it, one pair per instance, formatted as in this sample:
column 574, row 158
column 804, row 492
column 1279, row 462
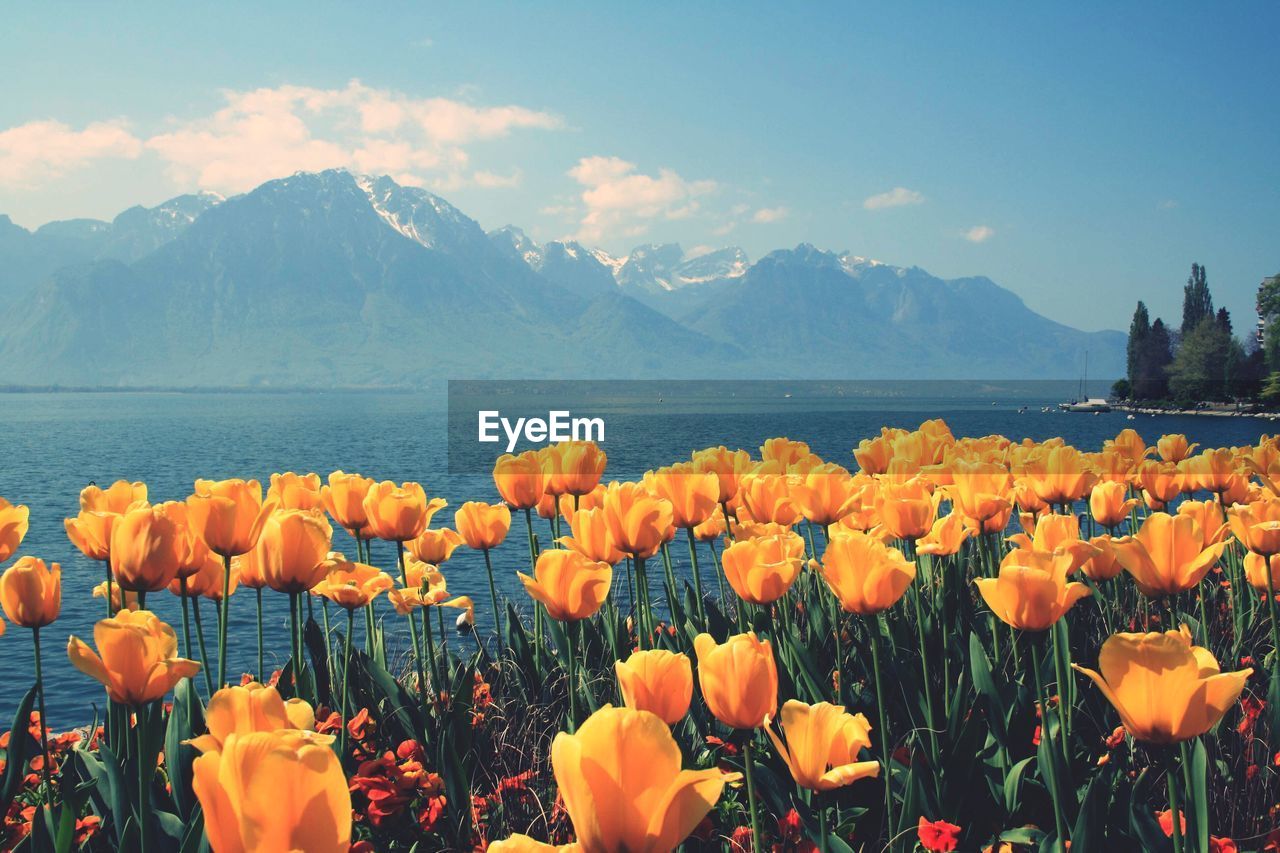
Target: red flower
column 740, row 841
column 724, row 745
column 429, row 817
column 1116, row 737
column 938, row 836
column 1251, row 709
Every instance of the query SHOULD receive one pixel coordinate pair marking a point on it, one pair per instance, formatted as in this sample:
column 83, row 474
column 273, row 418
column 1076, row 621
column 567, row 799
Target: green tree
column 1269, row 314
column 1197, row 303
column 1206, row 364
column 1139, row 329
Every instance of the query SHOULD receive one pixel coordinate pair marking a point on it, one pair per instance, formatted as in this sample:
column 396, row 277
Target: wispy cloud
column 621, row 201
column 39, row 150
column 264, row 133
column 980, row 233
column 766, row 215
column 1168, row 204
column 896, row 197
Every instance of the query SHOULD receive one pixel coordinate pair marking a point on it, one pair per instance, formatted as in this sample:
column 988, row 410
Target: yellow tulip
column 482, row 526
column 826, row 494
column 351, row 585
column 116, row 498
column 210, row 579
column 147, row 547
column 228, row 514
column 295, row 491
column 1165, row 689
column 823, row 742
column 767, row 497
column 1257, row 526
column 590, row 529
column 1031, row 591
column 907, row 510
column 873, row 454
column 1160, row 481
column 980, row 490
column 521, row 843
column 1103, row 566
column 570, row 585
column 399, row 513
column 739, row 679
column 622, row 784
column 31, row 592
column 637, row 521
column 572, row 467
column 946, row 537
column 1060, row 475
column 520, row 479
column 728, row 465
column 864, row 573
column 1261, row 571
column 13, row 528
column 1110, row 504
column 281, row 790
column 292, row 549
column 1210, row 518
column 136, row 659
column 1174, row 447
column 1167, row 555
column 120, row 598
column 762, row 570
column 784, row 451
column 89, row 531
column 658, row 681
column 434, row 545
column 343, row 499
column 240, row 710
column 693, row 494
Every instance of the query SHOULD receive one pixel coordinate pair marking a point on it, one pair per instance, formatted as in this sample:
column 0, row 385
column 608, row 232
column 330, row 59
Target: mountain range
column 332, row 279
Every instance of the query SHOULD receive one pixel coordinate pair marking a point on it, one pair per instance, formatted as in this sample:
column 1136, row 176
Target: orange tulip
column 864, row 573
column 622, row 784
column 1103, row 566
column 120, row 598
column 873, row 454
column 571, row 586
column 13, row 528
column 946, row 537
column 147, row 545
column 582, row 464
column 712, row 528
column 210, row 580
column 434, row 545
column 729, row 466
column 907, row 510
column 31, row 592
column 1060, row 475
column 279, row 790
column 1210, row 518
column 293, row 548
column 1161, row 481
column 823, row 742
column 692, row 494
column 352, row 585
column 116, row 498
column 1261, row 571
column 520, row 479
column 658, row 681
column 980, row 490
column 767, row 497
column 637, row 521
column 89, row 531
column 1257, row 526
column 1110, row 504
column 343, row 499
column 295, row 491
column 240, row 710
column 591, row 537
column 1167, row 555
column 247, row 568
column 401, row 513
column 739, row 679
column 136, row 659
column 1174, row 447
column 482, row 526
column 1214, row 470
column 1031, row 591
column 1165, row 689
column 762, row 570
column 228, row 514
column 826, row 494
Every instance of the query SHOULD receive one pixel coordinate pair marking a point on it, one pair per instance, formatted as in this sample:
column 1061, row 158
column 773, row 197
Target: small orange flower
column 482, row 526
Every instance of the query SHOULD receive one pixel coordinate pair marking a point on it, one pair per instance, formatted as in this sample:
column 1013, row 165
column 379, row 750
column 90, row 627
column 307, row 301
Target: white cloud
column 1168, row 204
column 766, row 215
column 493, row 180
column 896, row 197
column 621, row 201
column 268, row 132
column 38, row 150
column 980, row 233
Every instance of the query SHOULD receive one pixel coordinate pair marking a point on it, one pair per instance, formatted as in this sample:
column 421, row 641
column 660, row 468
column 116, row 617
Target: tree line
column 1202, row 360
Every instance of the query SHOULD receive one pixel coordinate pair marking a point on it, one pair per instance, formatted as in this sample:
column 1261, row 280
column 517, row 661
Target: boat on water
column 1088, row 405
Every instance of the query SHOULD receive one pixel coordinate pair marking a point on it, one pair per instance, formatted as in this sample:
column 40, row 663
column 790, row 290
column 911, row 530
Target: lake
column 52, row 445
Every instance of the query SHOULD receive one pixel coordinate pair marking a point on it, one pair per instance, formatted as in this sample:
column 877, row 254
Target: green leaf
column 16, row 754
column 988, row 694
column 186, row 719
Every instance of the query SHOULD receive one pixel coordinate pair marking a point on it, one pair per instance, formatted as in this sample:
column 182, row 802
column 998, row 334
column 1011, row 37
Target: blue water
column 52, row 445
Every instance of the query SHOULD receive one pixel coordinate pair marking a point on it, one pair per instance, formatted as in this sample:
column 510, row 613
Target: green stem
column 262, row 677
column 346, row 680
column 224, row 616
column 106, row 564
column 751, row 792
column 204, row 651
column 1275, row 625
column 822, row 827
column 328, row 649
column 413, row 633
column 186, row 625
column 493, row 595
column 44, row 720
column 1175, row 807
column 295, row 643
column 697, row 577
column 874, row 629
column 644, row 627
column 572, row 668
column 1034, row 650
column 144, row 793
column 927, row 685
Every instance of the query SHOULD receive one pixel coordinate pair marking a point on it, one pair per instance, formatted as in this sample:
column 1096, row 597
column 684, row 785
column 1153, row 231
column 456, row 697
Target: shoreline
column 1210, row 412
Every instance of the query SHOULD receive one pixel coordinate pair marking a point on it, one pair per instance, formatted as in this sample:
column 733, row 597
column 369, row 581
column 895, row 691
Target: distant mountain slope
column 332, row 279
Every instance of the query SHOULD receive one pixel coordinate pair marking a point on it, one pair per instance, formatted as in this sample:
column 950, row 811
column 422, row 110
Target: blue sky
column 1081, row 155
